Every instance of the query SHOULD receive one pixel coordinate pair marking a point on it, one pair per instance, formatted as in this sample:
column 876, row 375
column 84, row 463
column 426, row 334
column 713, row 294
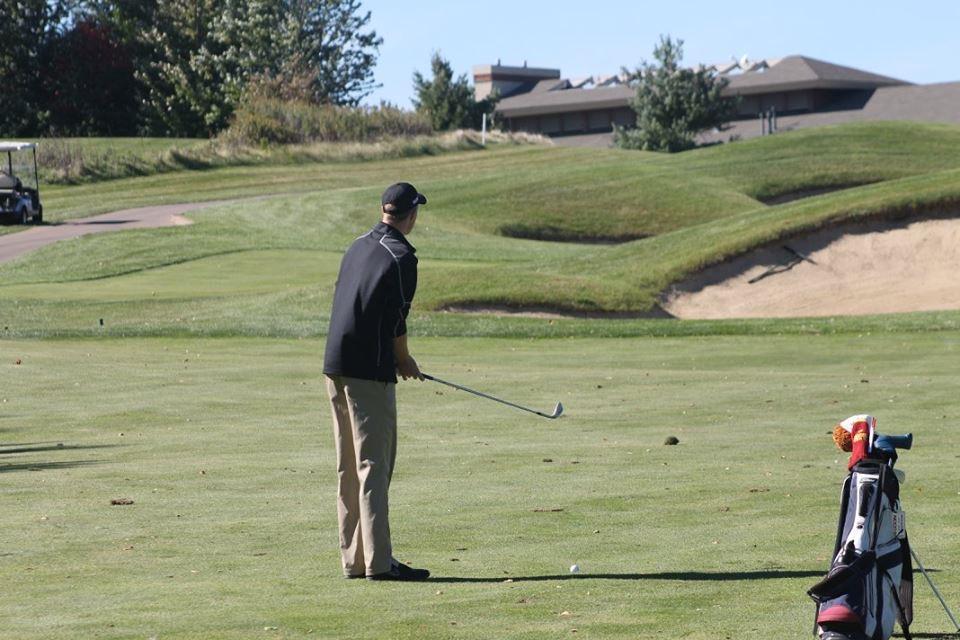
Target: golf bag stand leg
column 936, row 591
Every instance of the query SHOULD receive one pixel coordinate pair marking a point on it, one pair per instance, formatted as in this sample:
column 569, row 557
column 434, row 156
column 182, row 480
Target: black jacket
column 377, row 281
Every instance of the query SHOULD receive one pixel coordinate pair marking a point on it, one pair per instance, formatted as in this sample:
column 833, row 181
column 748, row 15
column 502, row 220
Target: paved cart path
column 13, row 245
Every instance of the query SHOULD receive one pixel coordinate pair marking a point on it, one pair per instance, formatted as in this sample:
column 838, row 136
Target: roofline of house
column 599, row 98
column 800, row 85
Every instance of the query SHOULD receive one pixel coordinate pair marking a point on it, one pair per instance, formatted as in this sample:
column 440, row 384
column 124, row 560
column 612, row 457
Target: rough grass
column 70, row 161
column 225, row 448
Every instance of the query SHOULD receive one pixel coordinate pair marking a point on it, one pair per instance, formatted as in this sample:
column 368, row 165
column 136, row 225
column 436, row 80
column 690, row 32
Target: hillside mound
column 853, row 269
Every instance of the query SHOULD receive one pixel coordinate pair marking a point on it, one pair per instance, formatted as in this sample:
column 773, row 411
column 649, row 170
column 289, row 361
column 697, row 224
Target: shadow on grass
column 929, row 635
column 46, row 466
column 88, row 222
column 694, row 576
column 38, row 447
column 41, row 447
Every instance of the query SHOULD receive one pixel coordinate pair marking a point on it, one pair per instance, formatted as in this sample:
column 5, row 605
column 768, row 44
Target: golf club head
column 556, row 411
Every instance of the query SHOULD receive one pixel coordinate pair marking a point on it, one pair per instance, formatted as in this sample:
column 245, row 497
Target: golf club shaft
column 936, row 591
column 484, row 395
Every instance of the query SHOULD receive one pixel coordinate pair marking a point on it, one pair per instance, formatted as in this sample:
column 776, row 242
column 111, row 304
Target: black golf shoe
column 401, row 572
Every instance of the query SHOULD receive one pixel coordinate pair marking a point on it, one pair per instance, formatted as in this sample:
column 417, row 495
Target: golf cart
column 19, row 184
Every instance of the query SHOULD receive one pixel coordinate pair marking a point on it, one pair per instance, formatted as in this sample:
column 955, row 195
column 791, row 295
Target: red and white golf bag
column 870, row 583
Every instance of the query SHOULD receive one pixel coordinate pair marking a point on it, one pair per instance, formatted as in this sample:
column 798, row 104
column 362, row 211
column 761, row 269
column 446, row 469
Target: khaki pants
column 365, row 433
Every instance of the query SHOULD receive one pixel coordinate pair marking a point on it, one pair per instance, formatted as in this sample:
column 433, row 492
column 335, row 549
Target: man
column 366, row 349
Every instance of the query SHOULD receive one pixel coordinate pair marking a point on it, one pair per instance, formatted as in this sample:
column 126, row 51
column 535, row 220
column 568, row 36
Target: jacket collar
column 386, row 230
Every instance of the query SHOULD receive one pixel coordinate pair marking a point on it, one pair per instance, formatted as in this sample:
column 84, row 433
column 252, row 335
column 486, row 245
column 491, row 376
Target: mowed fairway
column 180, row 369
column 224, row 445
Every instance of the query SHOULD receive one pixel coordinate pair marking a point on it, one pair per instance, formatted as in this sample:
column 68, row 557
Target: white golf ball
column 574, row 568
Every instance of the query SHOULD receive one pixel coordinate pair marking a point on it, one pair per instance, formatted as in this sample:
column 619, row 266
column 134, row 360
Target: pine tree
column 448, row 103
column 673, row 103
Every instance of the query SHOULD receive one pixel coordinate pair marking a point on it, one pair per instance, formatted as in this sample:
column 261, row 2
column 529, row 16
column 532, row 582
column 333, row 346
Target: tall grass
column 267, row 120
column 76, row 161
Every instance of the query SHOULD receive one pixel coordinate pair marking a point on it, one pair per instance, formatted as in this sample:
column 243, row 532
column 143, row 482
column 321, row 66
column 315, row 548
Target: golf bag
column 870, row 582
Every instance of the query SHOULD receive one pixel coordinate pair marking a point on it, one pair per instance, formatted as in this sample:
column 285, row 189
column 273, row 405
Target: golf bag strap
column 844, row 501
column 878, row 506
column 844, row 504
column 889, row 561
column 904, row 625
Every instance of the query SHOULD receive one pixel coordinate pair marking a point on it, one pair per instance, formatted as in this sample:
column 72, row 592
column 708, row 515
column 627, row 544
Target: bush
column 265, row 120
column 448, row 102
column 673, row 103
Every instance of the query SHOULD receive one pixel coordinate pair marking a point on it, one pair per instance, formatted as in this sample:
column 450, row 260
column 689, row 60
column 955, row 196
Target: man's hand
column 406, row 365
column 408, row 368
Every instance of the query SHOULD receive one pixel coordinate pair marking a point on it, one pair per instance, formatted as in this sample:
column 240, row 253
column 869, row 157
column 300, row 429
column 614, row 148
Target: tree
column 327, row 40
column 88, row 55
column 183, row 91
column 674, row 104
column 195, row 58
column 26, row 29
column 449, row 103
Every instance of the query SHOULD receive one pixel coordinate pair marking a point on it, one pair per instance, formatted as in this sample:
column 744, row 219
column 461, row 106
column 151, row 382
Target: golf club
column 556, row 411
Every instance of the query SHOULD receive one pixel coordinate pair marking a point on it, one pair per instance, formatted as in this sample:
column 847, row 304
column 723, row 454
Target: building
column 775, row 94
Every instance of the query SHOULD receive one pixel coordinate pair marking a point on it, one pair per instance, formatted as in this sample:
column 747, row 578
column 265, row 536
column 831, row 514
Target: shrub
column 674, row 104
column 262, row 120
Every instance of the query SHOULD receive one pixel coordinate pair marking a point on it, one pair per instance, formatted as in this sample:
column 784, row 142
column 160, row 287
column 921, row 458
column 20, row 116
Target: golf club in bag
column 870, row 582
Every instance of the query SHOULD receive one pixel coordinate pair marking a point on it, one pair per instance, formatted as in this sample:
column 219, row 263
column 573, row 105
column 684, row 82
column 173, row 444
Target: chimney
column 507, row 80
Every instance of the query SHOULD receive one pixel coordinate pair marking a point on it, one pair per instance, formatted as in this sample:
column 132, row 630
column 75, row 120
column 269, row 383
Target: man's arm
column 406, row 365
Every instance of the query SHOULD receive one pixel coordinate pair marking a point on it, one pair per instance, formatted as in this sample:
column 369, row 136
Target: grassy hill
column 274, row 259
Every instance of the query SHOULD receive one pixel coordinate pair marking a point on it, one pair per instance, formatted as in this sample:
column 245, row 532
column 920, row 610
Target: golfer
column 366, row 349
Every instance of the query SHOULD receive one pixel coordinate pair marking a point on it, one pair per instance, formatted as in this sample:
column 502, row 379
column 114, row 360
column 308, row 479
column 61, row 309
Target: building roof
column 518, row 73
column 917, row 103
column 800, row 72
column 563, row 100
column 925, row 102
column 550, row 85
column 792, row 73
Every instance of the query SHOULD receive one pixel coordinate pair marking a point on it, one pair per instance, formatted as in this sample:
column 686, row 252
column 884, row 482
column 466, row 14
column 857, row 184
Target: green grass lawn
column 181, row 368
column 225, row 447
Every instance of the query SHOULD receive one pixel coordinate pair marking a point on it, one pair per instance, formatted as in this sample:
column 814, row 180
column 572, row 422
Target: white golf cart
column 19, row 183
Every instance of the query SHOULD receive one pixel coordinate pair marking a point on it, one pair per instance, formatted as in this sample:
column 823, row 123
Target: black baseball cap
column 402, row 197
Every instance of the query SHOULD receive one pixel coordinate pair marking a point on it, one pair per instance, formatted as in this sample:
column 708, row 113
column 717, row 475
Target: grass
column 283, row 293
column 224, row 446
column 697, row 206
column 180, row 368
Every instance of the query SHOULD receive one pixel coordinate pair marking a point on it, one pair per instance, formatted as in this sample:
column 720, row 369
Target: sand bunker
column 857, row 269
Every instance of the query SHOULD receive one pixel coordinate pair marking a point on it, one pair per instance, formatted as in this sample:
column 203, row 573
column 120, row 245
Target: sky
column 915, row 41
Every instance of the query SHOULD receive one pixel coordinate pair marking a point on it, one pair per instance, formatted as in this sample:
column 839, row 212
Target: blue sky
column 915, row 41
